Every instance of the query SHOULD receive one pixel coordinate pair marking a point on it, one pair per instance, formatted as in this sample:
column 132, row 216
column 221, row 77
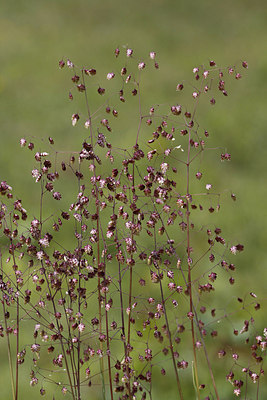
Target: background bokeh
column 34, row 35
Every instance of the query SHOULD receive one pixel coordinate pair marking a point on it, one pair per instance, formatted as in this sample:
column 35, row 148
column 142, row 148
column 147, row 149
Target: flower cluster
column 122, row 304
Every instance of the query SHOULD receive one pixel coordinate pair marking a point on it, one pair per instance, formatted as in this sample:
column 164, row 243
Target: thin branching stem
column 189, row 262
column 7, row 338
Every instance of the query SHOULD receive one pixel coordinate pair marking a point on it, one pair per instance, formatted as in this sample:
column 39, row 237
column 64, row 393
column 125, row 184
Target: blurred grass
column 34, row 35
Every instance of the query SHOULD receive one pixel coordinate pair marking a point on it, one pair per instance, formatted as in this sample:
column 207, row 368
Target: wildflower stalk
column 72, row 386
column 130, row 299
column 107, row 329
column 79, row 311
column 189, row 278
column 101, row 361
column 122, row 311
column 167, row 324
column 17, row 325
column 143, row 226
column 108, row 352
column 53, row 300
column 170, row 341
column 8, row 340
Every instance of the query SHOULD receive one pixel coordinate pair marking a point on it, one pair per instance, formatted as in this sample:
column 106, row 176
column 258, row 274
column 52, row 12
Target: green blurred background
column 34, row 35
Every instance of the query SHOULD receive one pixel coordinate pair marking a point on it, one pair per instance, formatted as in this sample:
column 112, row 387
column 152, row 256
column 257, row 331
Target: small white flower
column 263, row 345
column 70, row 64
column 176, row 110
column 195, row 70
column 179, row 147
column 44, row 242
column 109, row 234
column 205, row 74
column 152, row 55
column 45, row 338
column 167, row 152
column 110, row 75
column 36, row 174
column 164, row 167
column 23, row 142
column 64, row 390
column 78, row 217
column 87, row 124
column 233, row 250
column 180, row 202
column 34, row 381
column 40, row 255
column 195, row 94
column 74, row 119
column 35, row 223
column 128, row 78
column 35, row 348
column 171, row 286
column 81, row 327
column 141, row 65
column 208, row 186
column 129, row 52
column 237, row 392
column 161, row 180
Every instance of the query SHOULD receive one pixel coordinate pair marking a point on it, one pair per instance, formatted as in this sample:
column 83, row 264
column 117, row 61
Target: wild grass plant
column 117, row 274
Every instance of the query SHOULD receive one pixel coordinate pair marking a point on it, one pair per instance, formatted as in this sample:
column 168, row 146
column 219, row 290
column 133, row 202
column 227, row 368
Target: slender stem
column 52, row 297
column 140, row 113
column 168, row 326
column 121, row 301
column 61, row 341
column 170, row 341
column 17, row 333
column 79, row 345
column 107, row 329
column 189, row 279
column 17, row 347
column 8, row 341
column 71, row 354
column 108, row 353
column 78, row 383
column 98, row 244
column 258, row 389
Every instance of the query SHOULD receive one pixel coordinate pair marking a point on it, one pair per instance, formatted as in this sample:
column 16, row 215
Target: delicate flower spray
column 131, row 302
